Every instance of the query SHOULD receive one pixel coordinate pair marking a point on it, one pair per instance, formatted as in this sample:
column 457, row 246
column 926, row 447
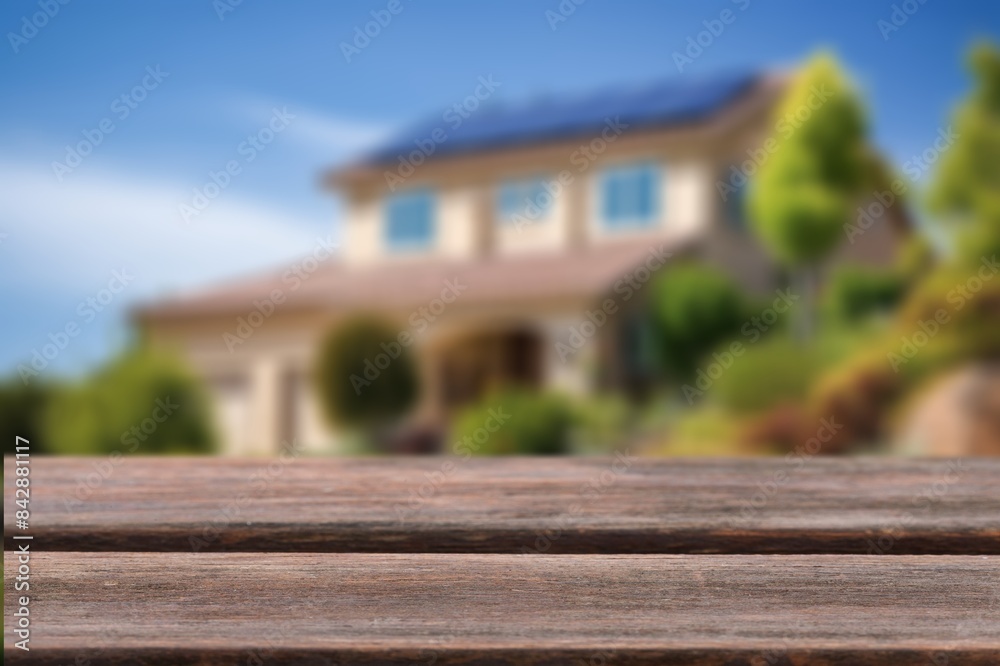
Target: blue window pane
column 630, row 196
column 735, row 208
column 410, row 221
column 526, row 198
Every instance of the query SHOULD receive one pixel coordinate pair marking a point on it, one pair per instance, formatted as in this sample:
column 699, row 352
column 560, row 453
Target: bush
column 531, row 423
column 705, row 430
column 767, row 374
column 855, row 292
column 780, row 370
column 603, row 423
column 140, row 402
column 693, row 309
column 354, row 388
column 22, row 413
column 857, row 397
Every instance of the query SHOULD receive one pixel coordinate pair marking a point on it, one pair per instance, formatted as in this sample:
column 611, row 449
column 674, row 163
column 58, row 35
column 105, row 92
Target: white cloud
column 327, row 136
column 335, row 135
column 67, row 237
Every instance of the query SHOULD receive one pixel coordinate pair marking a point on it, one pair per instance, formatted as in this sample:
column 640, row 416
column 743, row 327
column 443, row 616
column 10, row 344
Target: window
column 630, row 196
column 529, row 199
column 409, row 221
column 735, row 206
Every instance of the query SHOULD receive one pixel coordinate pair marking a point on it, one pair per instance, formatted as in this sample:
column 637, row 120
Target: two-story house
column 507, row 244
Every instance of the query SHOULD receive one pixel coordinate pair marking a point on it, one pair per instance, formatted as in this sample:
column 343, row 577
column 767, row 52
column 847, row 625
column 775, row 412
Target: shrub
column 856, row 292
column 693, row 309
column 530, row 423
column 365, row 377
column 767, row 374
column 22, row 412
column 705, row 430
column 856, row 397
column 602, row 423
column 781, row 429
column 140, row 402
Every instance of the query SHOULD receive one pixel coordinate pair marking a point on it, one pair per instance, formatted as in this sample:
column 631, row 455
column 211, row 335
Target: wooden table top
column 515, row 505
column 508, row 561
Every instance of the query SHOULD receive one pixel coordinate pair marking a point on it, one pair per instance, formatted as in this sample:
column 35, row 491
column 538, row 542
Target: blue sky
column 223, row 70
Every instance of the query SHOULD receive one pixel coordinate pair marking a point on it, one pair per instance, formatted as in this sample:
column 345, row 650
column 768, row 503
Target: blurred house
column 509, row 244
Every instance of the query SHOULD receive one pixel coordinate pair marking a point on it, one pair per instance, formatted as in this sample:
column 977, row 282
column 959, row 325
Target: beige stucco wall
column 466, row 187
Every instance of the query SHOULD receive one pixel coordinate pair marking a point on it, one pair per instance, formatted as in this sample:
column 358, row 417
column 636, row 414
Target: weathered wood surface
column 347, row 608
column 514, row 505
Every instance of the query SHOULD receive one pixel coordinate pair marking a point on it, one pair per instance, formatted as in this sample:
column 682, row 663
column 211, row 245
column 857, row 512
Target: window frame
column 531, row 188
column 396, row 242
column 618, row 176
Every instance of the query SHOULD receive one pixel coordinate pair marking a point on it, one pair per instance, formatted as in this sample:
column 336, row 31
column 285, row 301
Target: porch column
column 569, row 358
column 265, row 405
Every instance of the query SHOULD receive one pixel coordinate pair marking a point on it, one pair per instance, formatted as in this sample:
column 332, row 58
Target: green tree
column 366, row 377
column 22, row 412
column 140, row 402
column 804, row 193
column 966, row 187
column 693, row 309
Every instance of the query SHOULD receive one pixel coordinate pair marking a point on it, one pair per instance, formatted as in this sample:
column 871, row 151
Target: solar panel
column 494, row 126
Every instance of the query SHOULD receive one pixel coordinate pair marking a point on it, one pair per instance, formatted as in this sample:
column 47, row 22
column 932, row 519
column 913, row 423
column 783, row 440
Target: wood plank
column 513, row 505
column 216, row 608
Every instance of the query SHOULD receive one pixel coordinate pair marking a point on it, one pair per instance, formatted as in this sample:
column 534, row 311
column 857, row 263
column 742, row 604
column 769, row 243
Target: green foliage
column 22, row 412
column 768, row 373
column 365, row 377
column 602, row 423
column 804, row 193
column 777, row 370
column 855, row 292
column 693, row 309
column 966, row 186
column 524, row 422
column 704, row 430
column 141, row 402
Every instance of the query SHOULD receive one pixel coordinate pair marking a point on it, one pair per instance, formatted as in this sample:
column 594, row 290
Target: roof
column 672, row 101
column 402, row 287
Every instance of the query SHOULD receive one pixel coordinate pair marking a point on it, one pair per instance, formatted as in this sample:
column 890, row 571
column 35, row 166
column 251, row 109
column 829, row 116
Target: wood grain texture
column 212, row 608
column 514, row 505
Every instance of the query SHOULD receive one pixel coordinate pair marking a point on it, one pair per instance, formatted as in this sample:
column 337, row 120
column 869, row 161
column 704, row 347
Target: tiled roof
column 584, row 273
